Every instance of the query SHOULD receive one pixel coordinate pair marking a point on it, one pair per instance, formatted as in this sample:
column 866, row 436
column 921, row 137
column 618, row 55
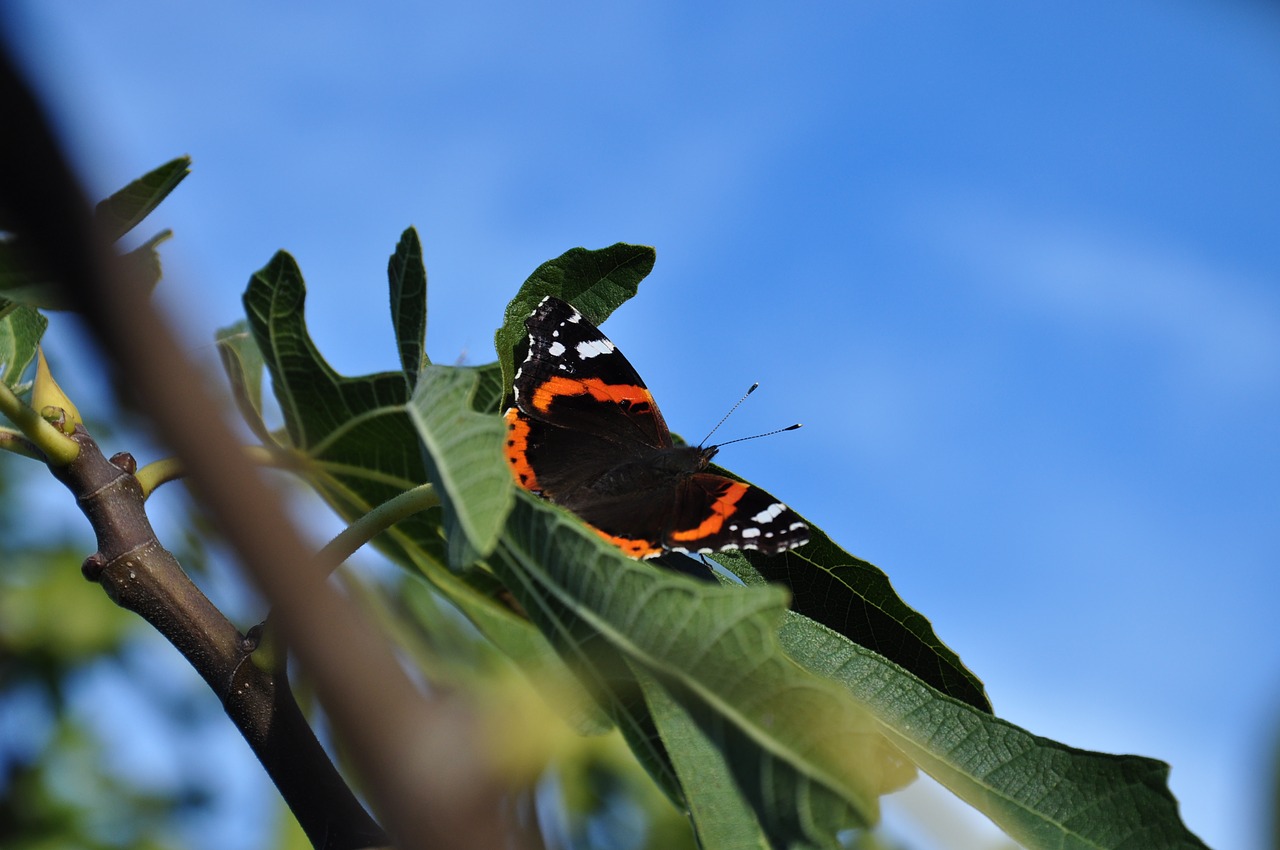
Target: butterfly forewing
column 574, row 377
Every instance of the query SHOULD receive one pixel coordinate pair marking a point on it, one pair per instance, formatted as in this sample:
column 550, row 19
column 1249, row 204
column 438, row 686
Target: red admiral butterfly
column 586, row 434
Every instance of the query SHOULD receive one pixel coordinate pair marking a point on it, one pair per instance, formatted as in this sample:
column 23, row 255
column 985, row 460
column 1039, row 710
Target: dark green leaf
column 121, row 212
column 117, row 215
column 354, row 440
column 855, row 598
column 23, row 283
column 408, row 278
column 596, row 282
column 489, row 389
column 355, row 432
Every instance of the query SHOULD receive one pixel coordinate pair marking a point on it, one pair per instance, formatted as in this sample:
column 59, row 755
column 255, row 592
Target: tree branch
column 139, row 574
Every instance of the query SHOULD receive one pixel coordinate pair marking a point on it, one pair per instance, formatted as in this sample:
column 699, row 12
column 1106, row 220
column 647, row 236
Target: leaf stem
column 13, row 441
column 376, row 521
column 169, row 469
column 58, row 448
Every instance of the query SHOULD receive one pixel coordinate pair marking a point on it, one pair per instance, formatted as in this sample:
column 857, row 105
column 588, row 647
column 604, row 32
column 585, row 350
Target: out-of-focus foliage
column 55, row 787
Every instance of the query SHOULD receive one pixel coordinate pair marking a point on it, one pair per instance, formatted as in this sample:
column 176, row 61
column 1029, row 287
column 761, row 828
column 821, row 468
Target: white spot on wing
column 594, row 348
column 770, row 513
column 556, row 348
column 750, row 532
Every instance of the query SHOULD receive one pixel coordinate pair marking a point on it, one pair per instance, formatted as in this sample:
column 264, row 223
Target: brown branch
column 418, row 757
column 139, row 574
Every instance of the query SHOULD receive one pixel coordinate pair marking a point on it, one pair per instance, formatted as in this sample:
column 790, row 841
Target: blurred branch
column 169, row 469
column 417, row 757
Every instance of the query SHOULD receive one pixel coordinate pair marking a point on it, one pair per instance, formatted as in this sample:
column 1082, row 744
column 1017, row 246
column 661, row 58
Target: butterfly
column 585, row 433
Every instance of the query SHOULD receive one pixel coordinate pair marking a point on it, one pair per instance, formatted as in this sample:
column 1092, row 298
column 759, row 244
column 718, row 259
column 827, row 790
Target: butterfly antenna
column 749, row 391
column 757, row 436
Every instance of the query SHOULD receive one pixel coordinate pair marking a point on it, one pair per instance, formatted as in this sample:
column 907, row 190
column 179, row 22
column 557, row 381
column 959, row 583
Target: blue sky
column 1014, row 267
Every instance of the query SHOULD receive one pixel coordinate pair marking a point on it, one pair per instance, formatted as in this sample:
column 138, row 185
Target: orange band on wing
column 517, row 450
column 558, row 385
column 721, row 509
column 630, row 546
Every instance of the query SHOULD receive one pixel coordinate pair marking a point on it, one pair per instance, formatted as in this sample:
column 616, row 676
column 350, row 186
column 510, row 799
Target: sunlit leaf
column 20, row 332
column 1042, row 793
column 243, row 364
column 720, row 815
column 464, row 454
column 806, row 757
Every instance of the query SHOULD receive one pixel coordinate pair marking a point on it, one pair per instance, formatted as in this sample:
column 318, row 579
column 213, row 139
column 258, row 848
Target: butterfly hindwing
column 734, row 515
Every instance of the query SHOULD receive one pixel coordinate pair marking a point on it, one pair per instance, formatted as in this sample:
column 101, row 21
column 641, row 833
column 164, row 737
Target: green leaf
column 353, row 435
column 242, row 361
column 596, row 282
column 121, row 212
column 23, row 283
column 804, row 754
column 855, row 598
column 326, row 414
column 408, row 277
column 355, row 442
column 464, row 454
column 490, row 391
column 20, row 331
column 767, row 724
column 1042, row 793
column 142, row 264
column 721, row 817
column 49, row 612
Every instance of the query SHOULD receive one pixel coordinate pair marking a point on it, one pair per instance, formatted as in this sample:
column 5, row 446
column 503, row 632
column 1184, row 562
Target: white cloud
column 1218, row 327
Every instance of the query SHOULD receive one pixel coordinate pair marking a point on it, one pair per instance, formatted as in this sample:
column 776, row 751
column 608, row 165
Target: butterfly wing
column 586, row 433
column 714, row 513
column 575, row 378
